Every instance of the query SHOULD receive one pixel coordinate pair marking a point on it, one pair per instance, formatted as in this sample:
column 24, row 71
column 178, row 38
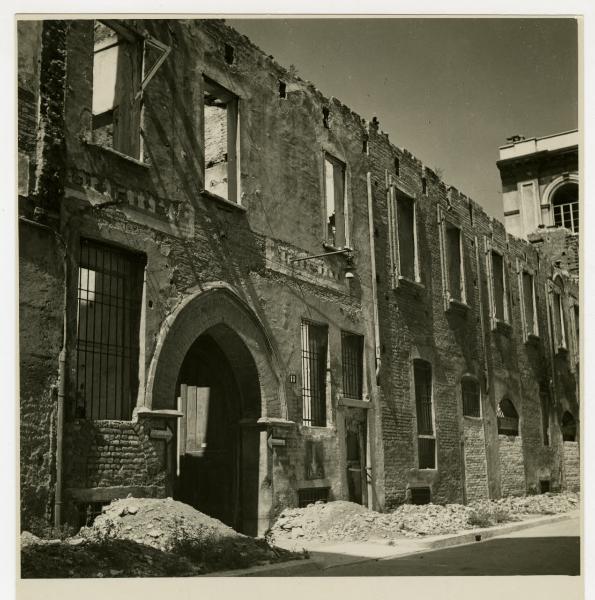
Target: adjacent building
column 540, row 194
column 237, row 292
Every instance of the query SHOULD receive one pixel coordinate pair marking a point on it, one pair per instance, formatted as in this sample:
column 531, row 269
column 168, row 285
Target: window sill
column 472, row 417
column 406, row 282
column 457, row 306
column 108, row 150
column 502, row 326
column 330, row 248
column 316, row 428
column 223, row 201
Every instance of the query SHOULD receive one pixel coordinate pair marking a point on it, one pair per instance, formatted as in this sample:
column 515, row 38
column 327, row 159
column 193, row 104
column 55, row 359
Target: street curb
column 291, row 567
column 469, row 536
column 310, row 565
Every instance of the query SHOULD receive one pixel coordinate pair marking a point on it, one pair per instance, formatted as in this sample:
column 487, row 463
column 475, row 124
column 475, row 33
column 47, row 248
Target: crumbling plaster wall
column 192, row 239
column 41, row 300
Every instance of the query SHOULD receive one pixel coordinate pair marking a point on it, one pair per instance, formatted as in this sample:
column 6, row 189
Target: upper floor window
column 452, row 259
column 123, row 64
column 559, row 320
column 336, row 223
column 352, row 349
column 117, row 76
column 471, row 397
column 403, row 236
column 110, row 288
column 529, row 303
column 221, row 144
column 426, row 439
column 314, row 369
column 565, row 207
column 497, row 286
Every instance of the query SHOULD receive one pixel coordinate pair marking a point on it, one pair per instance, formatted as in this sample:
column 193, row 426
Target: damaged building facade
column 237, row 292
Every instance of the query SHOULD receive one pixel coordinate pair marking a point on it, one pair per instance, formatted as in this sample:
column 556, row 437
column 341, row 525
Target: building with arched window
column 540, row 183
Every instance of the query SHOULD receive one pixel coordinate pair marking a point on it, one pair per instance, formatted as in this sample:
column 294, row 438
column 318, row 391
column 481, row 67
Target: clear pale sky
column 449, row 90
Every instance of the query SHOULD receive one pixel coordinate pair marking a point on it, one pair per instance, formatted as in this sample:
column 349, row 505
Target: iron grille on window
column 471, row 398
column 426, row 448
column 110, row 284
column 426, row 443
column 352, row 347
column 310, row 495
column 422, row 373
column 314, row 353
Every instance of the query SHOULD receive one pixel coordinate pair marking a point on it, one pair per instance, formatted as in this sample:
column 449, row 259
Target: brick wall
column 476, row 468
column 572, row 473
column 512, row 469
column 192, row 240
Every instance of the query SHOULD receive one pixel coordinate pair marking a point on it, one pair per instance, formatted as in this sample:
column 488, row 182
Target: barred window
column 454, row 262
column 110, row 284
column 314, row 359
column 422, row 376
column 508, row 418
column 471, row 397
column 352, row 347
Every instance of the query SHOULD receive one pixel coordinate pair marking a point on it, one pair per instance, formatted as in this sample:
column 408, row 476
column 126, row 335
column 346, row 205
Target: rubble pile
column 139, row 537
column 543, row 504
column 346, row 521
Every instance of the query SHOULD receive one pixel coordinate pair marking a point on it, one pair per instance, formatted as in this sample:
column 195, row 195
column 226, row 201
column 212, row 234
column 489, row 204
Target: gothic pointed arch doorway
column 218, row 394
column 214, row 362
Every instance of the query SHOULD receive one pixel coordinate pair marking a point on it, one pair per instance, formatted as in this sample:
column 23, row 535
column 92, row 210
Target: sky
column 448, row 90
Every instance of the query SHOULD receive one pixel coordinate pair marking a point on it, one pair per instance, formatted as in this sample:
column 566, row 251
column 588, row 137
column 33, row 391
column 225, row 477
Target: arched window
column 568, row 427
column 471, row 397
column 565, row 207
column 508, row 418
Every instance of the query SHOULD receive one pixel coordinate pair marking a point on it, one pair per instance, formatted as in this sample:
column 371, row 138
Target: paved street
column 552, row 549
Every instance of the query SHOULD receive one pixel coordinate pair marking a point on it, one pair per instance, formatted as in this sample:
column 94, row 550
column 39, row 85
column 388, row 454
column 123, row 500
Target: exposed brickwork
column 572, row 474
column 512, row 468
column 476, row 467
column 212, row 264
